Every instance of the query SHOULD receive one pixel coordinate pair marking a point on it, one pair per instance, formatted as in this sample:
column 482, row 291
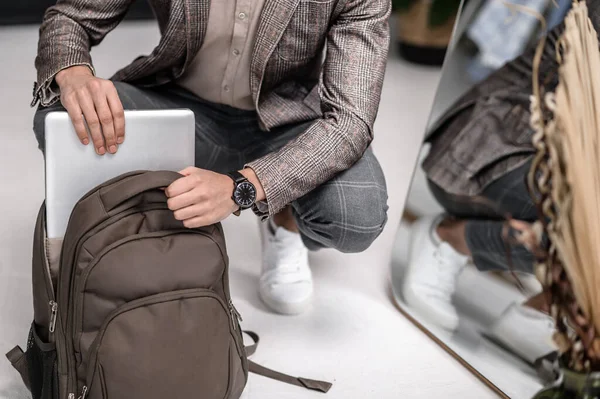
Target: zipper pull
column 83, row 392
column 71, row 396
column 53, row 314
column 234, row 313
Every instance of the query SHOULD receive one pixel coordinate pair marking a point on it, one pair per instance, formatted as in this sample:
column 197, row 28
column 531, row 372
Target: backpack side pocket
column 42, row 365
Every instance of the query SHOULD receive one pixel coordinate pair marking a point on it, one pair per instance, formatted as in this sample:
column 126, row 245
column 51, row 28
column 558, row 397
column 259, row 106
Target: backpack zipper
column 53, row 314
column 83, row 393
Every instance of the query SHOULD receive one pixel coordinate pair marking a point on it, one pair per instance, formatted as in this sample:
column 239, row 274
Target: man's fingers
column 106, row 122
column 187, row 171
column 182, row 200
column 116, row 109
column 199, row 221
column 76, row 116
column 181, row 186
column 190, row 212
column 93, row 122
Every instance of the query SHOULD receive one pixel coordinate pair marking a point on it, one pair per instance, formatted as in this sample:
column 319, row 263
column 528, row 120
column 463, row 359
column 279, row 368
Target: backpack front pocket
column 171, row 345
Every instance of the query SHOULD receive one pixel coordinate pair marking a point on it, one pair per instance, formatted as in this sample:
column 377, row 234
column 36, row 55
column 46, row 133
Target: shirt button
column 242, row 15
column 226, row 88
column 236, row 52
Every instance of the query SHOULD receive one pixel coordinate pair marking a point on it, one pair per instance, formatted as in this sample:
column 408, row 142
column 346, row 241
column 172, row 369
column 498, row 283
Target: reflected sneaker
column 286, row 285
column 432, row 270
column 524, row 331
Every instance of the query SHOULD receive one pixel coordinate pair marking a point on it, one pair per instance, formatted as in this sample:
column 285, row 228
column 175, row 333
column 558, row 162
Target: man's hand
column 85, row 96
column 201, row 198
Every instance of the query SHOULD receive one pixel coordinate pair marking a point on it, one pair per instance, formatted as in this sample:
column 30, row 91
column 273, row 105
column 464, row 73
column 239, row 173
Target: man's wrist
column 64, row 74
column 252, row 178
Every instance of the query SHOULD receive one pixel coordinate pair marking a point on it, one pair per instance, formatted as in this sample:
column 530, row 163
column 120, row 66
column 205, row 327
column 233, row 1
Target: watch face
column 245, row 194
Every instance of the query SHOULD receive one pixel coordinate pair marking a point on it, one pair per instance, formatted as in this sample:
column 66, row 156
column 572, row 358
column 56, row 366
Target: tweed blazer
column 486, row 133
column 291, row 80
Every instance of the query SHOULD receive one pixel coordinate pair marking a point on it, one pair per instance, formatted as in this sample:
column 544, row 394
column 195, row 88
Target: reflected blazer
column 486, row 133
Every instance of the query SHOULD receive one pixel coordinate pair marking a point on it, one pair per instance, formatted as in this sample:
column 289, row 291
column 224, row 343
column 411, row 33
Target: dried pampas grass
column 565, row 182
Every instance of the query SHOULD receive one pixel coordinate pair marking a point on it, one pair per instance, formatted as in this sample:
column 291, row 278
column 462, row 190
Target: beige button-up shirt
column 220, row 72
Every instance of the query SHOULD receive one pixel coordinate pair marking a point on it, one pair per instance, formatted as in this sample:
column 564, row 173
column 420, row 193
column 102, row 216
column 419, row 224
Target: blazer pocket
column 497, row 130
column 304, row 37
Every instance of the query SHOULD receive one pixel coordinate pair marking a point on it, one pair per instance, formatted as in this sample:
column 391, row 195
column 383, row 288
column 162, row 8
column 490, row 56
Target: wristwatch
column 244, row 192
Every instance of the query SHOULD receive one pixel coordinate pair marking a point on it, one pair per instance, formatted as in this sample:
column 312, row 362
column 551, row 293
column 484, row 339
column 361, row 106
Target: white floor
column 353, row 335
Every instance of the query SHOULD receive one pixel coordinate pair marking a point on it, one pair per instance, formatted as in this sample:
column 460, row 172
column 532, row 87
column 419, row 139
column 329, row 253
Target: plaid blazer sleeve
column 68, row 31
column 350, row 90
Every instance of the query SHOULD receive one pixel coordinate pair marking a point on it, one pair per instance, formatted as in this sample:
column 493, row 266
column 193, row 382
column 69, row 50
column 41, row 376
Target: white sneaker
column 286, row 285
column 524, row 331
column 432, row 270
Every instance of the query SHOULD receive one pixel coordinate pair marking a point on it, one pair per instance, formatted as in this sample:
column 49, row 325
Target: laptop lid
column 154, row 140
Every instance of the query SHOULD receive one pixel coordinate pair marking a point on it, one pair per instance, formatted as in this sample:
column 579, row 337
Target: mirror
column 456, row 272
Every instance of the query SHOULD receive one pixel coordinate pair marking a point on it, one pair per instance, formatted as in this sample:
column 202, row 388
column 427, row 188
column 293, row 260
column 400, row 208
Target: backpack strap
column 17, row 358
column 315, row 385
column 251, row 349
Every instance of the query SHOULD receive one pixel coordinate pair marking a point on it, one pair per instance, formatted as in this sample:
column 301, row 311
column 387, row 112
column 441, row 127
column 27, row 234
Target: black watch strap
column 237, row 177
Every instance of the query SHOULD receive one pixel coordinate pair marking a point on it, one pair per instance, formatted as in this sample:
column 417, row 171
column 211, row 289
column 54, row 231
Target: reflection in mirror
column 454, row 270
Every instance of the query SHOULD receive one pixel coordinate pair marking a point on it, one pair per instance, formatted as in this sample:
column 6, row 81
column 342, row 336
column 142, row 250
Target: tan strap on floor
column 17, row 358
column 315, row 385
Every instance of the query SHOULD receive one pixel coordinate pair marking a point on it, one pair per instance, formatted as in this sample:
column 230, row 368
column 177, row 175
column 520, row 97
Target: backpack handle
column 138, row 183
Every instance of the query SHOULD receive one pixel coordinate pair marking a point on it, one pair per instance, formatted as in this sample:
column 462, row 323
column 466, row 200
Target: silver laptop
column 154, row 140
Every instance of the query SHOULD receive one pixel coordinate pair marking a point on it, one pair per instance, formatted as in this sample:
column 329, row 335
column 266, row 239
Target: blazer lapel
column 196, row 21
column 275, row 17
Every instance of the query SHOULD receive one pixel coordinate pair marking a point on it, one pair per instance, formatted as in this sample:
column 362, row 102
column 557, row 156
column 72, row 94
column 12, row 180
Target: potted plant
column 564, row 184
column 425, row 29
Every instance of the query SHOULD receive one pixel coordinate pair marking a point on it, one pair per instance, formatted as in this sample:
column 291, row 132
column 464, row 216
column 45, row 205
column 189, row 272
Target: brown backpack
column 136, row 305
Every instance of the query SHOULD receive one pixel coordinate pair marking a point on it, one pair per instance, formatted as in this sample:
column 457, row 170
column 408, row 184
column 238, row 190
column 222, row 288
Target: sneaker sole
column 286, row 308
